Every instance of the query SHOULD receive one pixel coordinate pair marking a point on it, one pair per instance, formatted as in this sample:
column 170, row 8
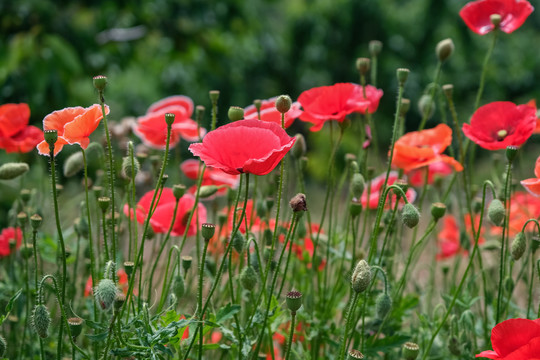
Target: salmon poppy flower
column 335, row 102
column 163, row 214
column 435, row 170
column 152, row 128
column 375, row 191
column 477, row 14
column 523, row 206
column 15, row 133
column 533, row 185
column 6, row 236
column 244, row 146
column 422, row 148
column 270, row 113
column 74, row 126
column 514, row 339
column 211, row 176
column 500, row 124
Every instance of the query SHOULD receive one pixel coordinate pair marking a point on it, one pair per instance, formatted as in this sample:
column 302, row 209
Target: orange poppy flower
column 421, row 148
column 74, row 126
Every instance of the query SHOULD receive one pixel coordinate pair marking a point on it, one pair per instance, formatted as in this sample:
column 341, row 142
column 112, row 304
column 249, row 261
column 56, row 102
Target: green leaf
column 227, row 312
column 9, row 305
column 97, row 337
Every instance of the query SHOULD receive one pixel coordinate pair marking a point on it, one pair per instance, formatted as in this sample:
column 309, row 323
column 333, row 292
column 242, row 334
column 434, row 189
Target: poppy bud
column 405, row 106
column 3, row 346
column 509, row 284
column 235, row 113
column 178, row 191
column 283, row 103
column 438, row 210
column 239, row 242
column 298, row 203
column 104, row 202
column 355, row 209
column 186, row 262
column 128, row 268
column 299, row 148
column 178, row 287
column 12, row 170
column 75, row 326
column 199, row 113
column 518, row 246
column 207, row 191
column 357, row 185
column 375, row 47
column 426, row 106
column 22, row 219
column 35, row 221
column 257, row 103
column 127, row 169
column 41, row 319
column 354, row 168
column 444, row 49
column 207, row 231
column 363, row 65
column 214, row 96
column 383, row 304
column 448, row 90
column 74, row 163
column 50, row 137
column 402, row 75
column 100, row 82
column 25, row 195
column 495, row 19
column 169, row 119
column 496, row 212
column 248, row 278
column 294, row 300
column 361, row 276
column 511, row 152
column 105, row 293
column 410, row 351
column 355, row 355
column 410, row 215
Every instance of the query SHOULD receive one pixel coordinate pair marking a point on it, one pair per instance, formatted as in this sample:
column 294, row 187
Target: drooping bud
column 105, row 293
column 357, row 185
column 410, row 351
column 248, row 278
column 363, row 65
column 383, row 304
column 75, row 326
column 426, row 106
column 410, row 215
column 41, row 320
column 294, row 300
column 235, row 113
column 438, row 210
column 299, row 148
column 518, row 246
column 207, row 231
column 444, row 49
column 283, row 103
column 375, row 47
column 361, row 276
column 100, row 82
column 402, row 76
column 238, row 242
column 74, row 163
column 496, row 212
column 298, row 203
column 12, row 170
column 178, row 286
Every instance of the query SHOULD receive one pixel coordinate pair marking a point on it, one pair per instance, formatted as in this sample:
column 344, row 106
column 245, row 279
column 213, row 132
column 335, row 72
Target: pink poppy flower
column 476, row 14
column 270, row 113
column 417, row 177
column 376, row 191
column 211, row 176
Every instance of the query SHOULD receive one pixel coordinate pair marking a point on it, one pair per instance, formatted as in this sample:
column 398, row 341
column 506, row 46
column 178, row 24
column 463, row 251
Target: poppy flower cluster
column 477, row 14
column 15, row 133
column 163, row 215
column 422, row 148
column 244, row 146
column 500, row 124
column 514, row 339
column 74, row 126
column 270, row 113
column 151, row 128
column 7, row 235
column 375, row 192
column 335, row 102
column 211, row 176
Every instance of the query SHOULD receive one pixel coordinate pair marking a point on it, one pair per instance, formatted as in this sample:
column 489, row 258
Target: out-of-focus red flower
column 417, row 177
column 151, row 128
column 500, row 124
column 184, row 331
column 15, row 133
column 244, row 146
column 270, row 113
column 468, row 228
column 476, row 14
column 376, row 192
column 515, row 339
column 163, row 215
column 422, row 148
column 6, row 235
column 533, row 185
column 532, row 103
column 448, row 239
column 211, row 176
column 281, row 335
column 523, row 206
column 122, row 283
column 74, row 126
column 335, row 102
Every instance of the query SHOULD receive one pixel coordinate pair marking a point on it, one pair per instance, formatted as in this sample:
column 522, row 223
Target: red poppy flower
column 162, row 216
column 244, row 146
column 422, row 148
column 334, row 102
column 500, row 124
column 270, row 113
column 448, row 239
column 476, row 14
column 532, row 103
column 435, row 170
column 211, row 176
column 152, row 128
column 6, row 235
column 15, row 133
column 375, row 192
column 515, row 339
column 74, row 126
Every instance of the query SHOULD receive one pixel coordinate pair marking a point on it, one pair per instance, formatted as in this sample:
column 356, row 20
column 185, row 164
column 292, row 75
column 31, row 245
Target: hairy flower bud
column 361, row 276
column 299, row 148
column 129, row 168
column 383, row 304
column 248, row 278
column 444, row 49
column 74, row 163
column 235, row 113
column 283, row 103
column 357, row 185
column 496, row 212
column 41, row 320
column 518, row 246
column 12, row 170
column 238, row 242
column 3, row 346
column 105, row 293
column 410, row 215
column 178, row 286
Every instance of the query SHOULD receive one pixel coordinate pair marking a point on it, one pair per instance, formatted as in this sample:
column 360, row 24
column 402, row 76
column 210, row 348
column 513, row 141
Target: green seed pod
column 357, row 185
column 119, row 301
column 179, row 190
column 402, row 75
column 248, row 278
column 129, row 169
column 410, row 215
column 294, row 300
column 41, row 320
column 50, row 137
column 178, row 286
column 438, row 210
column 383, row 304
column 186, row 262
column 214, row 96
column 74, row 163
column 508, row 284
column 375, row 47
column 12, row 170
column 75, row 325
column 361, row 276
column 207, row 231
column 363, row 65
column 239, row 242
column 410, row 351
column 169, row 119
column 355, row 208
column 99, row 82
column 283, row 103
column 35, row 221
column 235, row 113
column 518, row 246
column 355, row 355
column 128, row 268
column 105, row 293
column 496, row 212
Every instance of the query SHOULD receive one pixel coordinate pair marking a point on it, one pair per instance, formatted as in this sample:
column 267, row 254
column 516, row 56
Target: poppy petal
column 512, row 334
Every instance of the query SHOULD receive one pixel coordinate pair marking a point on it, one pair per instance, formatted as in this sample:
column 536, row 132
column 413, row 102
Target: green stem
column 350, row 313
column 484, row 69
column 199, row 297
column 291, row 335
column 435, row 83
